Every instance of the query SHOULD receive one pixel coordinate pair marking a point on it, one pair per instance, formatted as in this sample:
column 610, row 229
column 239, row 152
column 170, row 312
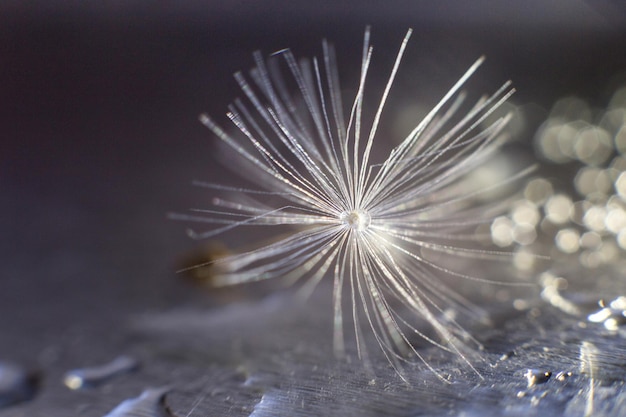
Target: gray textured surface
column 100, row 140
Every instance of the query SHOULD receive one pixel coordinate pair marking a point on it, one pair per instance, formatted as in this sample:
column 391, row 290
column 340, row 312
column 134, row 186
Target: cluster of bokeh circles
column 585, row 220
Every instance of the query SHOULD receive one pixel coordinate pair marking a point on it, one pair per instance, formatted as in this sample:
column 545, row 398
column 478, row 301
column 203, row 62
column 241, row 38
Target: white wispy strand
column 366, row 225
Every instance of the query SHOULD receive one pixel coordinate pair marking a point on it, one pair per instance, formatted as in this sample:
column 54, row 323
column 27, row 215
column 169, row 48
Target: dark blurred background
column 99, row 137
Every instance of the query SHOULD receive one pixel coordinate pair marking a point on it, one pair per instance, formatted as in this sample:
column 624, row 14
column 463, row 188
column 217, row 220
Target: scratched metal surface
column 100, row 140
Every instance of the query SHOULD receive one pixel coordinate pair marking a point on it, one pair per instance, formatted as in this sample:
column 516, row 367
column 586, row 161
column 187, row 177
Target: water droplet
column 96, row 375
column 151, row 403
column 563, row 376
column 558, row 208
column 537, row 376
column 612, row 316
column 507, row 355
column 502, row 231
column 16, row 384
column 538, row 191
column 568, row 240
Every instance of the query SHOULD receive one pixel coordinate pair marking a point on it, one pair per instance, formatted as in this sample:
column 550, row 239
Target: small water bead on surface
column 16, row 384
column 563, row 376
column 151, row 403
column 612, row 316
column 537, row 376
column 96, row 375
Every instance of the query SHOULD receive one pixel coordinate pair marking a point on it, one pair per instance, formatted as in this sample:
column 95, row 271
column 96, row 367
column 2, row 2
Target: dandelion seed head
column 385, row 229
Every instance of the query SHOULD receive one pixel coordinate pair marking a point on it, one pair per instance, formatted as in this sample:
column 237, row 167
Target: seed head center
column 358, row 220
